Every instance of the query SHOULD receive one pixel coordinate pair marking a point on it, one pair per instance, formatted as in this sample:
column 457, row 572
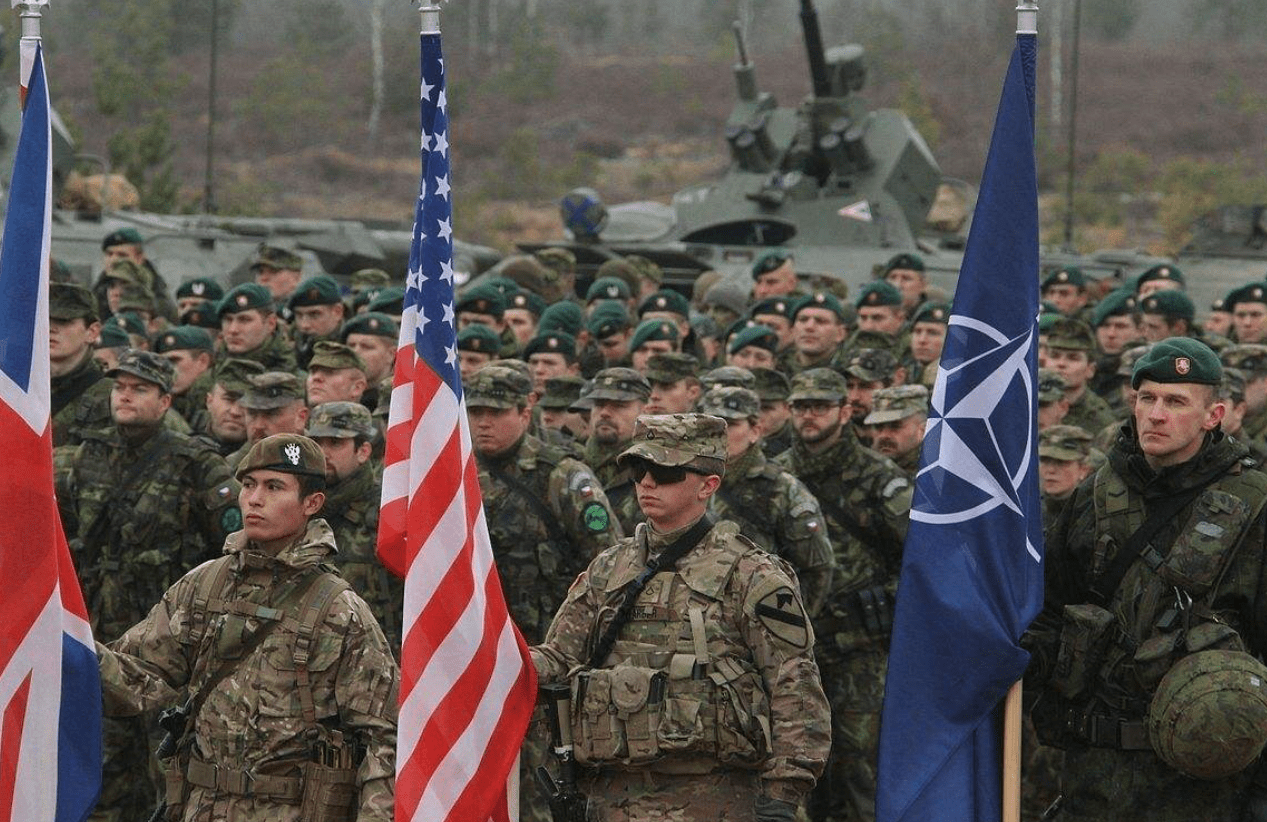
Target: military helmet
column 1208, row 718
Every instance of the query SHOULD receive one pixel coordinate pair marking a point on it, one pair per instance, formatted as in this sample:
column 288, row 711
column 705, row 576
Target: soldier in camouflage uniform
column 274, row 404
column 776, row 416
column 619, row 395
column 249, row 329
column 771, row 507
column 897, row 419
column 192, row 354
column 318, row 309
column 222, row 422
column 80, row 394
column 141, row 505
column 1251, row 360
column 1070, row 347
column 278, row 271
column 269, row 727
column 345, row 432
column 867, row 501
column 712, row 649
column 818, row 334
column 675, row 385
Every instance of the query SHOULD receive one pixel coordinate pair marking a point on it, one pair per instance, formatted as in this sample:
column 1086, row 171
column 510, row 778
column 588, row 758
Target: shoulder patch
column 781, row 614
column 231, row 520
column 595, row 517
column 894, row 485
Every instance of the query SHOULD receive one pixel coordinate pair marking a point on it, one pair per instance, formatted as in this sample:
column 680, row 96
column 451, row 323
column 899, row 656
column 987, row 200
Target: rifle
column 567, row 803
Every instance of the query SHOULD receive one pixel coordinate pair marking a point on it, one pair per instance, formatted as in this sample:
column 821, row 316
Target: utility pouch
column 231, row 637
column 330, row 794
column 617, row 717
column 1084, row 639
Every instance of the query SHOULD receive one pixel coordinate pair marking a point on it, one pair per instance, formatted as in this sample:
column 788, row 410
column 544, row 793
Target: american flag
column 467, row 685
column 50, row 692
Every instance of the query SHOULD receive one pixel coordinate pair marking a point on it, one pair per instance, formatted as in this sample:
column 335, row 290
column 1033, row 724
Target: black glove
column 774, row 810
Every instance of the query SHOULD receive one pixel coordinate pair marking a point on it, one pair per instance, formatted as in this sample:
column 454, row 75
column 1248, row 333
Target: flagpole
column 430, row 13
column 30, row 16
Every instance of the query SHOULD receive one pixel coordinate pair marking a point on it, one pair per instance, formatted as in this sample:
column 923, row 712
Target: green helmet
column 1208, row 718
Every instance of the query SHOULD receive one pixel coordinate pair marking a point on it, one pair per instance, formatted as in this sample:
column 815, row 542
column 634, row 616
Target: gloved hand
column 774, row 810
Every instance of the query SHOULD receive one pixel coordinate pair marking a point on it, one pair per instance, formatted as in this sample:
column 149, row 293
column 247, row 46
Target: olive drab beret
column 553, row 342
column 318, row 290
column 872, row 364
column 371, row 323
column 504, row 285
column 878, row 293
column 730, row 402
column 335, row 356
column 482, row 299
column 287, row 453
column 904, row 261
column 1051, row 386
column 341, row 419
column 772, row 260
column 666, row 299
column 1119, row 303
column 1179, row 360
column 772, row 384
column 527, row 301
column 562, row 392
column 234, row 374
column 276, row 257
column 1170, row 303
column 564, row 316
column 129, row 321
column 780, row 306
column 148, row 366
column 608, row 288
column 272, row 389
column 1161, row 272
column 72, row 301
column 670, row 366
column 728, row 375
column 619, row 384
column 1069, row 275
column 113, row 337
column 390, row 300
column 762, row 336
column 897, row 403
column 653, row 331
column 497, row 386
column 245, row 297
column 122, row 236
column 1064, row 442
column 1130, row 356
column 204, row 287
column 182, row 338
column 818, row 384
column 1248, row 357
column 480, row 339
column 821, row 299
column 691, row 440
column 648, row 269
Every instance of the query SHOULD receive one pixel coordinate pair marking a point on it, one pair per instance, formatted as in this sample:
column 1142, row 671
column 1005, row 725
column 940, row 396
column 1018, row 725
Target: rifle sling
column 546, row 516
column 1106, row 585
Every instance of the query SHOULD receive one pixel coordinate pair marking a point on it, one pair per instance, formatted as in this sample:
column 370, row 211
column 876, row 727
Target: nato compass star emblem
column 978, row 446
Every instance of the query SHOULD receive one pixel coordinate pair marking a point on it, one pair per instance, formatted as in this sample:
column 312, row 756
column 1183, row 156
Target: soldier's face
column 69, row 339
column 781, row 325
column 886, row 319
column 1068, row 299
column 752, row 356
column 898, row 438
column 818, row 421
column 1172, row 420
column 495, row 430
column 1075, row 366
column 265, row 422
column 134, row 401
column 773, row 414
column 645, row 351
column 674, row 505
column 378, row 354
column 1113, row 333
column 335, row 385
column 563, row 419
column 860, row 396
column 273, row 513
column 1155, row 328
column 318, row 320
column 343, row 456
column 781, row 280
column 471, row 361
column 466, row 319
column 614, row 347
column 740, row 436
column 246, row 330
column 1051, row 413
column 280, row 282
column 817, row 331
column 1249, row 320
column 228, row 417
column 522, row 322
column 613, row 420
column 677, row 397
column 126, row 251
column 546, row 365
column 927, row 340
column 1060, row 477
column 189, row 366
column 909, row 282
column 183, row 304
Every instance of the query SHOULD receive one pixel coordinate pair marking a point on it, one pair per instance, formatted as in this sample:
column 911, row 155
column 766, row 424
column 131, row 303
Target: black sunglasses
column 662, row 474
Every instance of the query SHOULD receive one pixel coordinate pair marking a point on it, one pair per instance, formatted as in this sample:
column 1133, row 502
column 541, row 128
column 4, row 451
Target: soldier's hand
column 774, row 810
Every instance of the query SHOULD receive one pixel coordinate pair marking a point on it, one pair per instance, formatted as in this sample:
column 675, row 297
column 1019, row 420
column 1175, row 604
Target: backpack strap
column 312, row 612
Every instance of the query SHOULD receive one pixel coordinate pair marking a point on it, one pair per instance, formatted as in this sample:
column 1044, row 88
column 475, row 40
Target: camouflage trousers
column 130, row 787
column 854, row 683
column 641, row 796
column 1040, row 774
column 533, row 805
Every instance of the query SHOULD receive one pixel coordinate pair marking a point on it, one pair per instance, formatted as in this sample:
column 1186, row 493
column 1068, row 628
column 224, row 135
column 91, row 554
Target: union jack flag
column 50, row 691
column 467, row 685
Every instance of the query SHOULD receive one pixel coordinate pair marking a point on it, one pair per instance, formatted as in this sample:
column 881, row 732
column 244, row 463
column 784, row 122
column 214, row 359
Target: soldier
column 249, row 329
column 611, row 330
column 1248, row 305
column 562, row 262
column 478, row 345
column 191, row 352
column 1154, row 570
column 80, row 399
column 551, row 354
column 753, row 347
column 374, row 338
column 619, row 395
column 1219, row 319
column 773, row 275
column 608, row 289
column 335, row 374
column 776, row 416
column 1168, row 313
column 1159, row 278
column 906, row 273
column 1066, row 288
column 278, row 271
column 675, row 384
column 714, row 627
column 818, row 331
column 866, row 372
column 141, row 505
column 776, row 313
column 928, row 336
column 1064, row 461
column 1116, row 324
column 867, row 500
column 651, row 337
column 200, row 291
column 771, row 507
column 110, row 345
column 291, row 714
column 1052, row 405
column 556, row 404
column 897, row 419
column 1251, row 360
column 879, row 307
column 1070, row 345
column 223, row 422
column 126, row 244
column 274, row 404
column 317, row 308
column 523, row 314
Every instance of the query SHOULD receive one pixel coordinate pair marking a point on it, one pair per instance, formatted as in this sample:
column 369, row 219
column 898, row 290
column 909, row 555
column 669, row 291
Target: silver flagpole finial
column 30, row 14
column 430, row 12
column 1026, row 17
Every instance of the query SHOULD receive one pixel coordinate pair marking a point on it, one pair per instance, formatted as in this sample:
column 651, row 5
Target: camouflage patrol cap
column 113, row 337
column 772, row 384
column 1064, row 442
column 129, row 321
column 148, row 366
column 872, row 364
column 905, row 261
column 390, row 300
column 1051, row 386
column 562, row 392
column 72, row 301
column 821, row 299
column 134, row 297
column 620, row 269
column 726, row 294
column 728, row 375
column 619, row 384
column 371, row 323
column 653, row 331
column 1234, row 384
column 705, row 327
column 1165, row 271
column 730, row 402
column 245, row 297
column 1119, row 303
column 648, row 269
column 125, row 271
column 607, row 288
column 1170, row 303
column 1068, row 275
column 897, row 403
column 772, row 260
column 287, row 453
column 562, row 260
column 234, row 375
column 1130, row 356
column 666, row 299
column 341, row 419
column 318, row 290
column 367, row 278
column 878, row 293
column 564, row 316
column 528, row 301
column 932, row 313
column 182, row 338
column 696, row 441
column 335, row 356
column 671, row 366
column 272, row 389
column 482, row 299
column 1252, row 293
column 780, row 306
column 204, row 287
column 480, row 339
column 607, row 319
column 275, row 257
column 121, row 236
column 497, row 386
column 202, row 316
column 818, row 384
column 554, row 342
column 1179, row 360
column 1070, row 335
column 762, row 336
column 1250, row 358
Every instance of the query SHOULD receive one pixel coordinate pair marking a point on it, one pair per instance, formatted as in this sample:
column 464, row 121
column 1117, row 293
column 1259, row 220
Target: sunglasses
column 662, row 474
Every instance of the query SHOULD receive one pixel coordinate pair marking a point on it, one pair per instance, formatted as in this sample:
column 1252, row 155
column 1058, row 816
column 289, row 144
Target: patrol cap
column 932, row 313
column 318, row 290
column 1064, row 442
column 390, row 300
column 1068, row 275
column 818, row 384
column 367, row 278
column 1130, row 356
column 772, row 260
column 479, row 338
column 515, row 363
column 287, row 453
column 482, row 299
column 122, row 236
column 780, row 306
column 653, row 331
column 730, row 402
column 909, row 262
column 620, row 269
column 272, row 389
column 619, row 384
column 234, row 375
column 204, row 287
column 728, row 375
column 148, row 366
column 607, row 319
column 1179, row 360
column 371, row 323
column 552, row 342
column 1250, row 358
column 1165, row 271
column 497, row 386
column 878, row 293
column 607, row 288
column 1234, row 384
column 562, row 260
column 341, row 419
column 897, row 403
column 772, row 384
column 1069, row 334
column 72, row 301
column 564, row 316
column 872, row 364
column 648, row 269
column 695, row 441
column 182, row 338
column 1252, row 293
column 1119, row 303
column 526, row 300
column 1171, row 303
column 1051, row 386
column 562, row 392
column 533, row 276
column 244, row 297
column 275, row 257
column 666, row 299
column 130, row 322
column 125, row 271
column 134, row 297
column 113, row 337
column 727, row 294
column 671, row 366
column 821, row 299
column 334, row 355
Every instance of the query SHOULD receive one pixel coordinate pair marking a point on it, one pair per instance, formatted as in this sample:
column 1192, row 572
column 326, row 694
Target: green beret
column 390, row 300
column 619, row 383
column 272, row 389
column 561, row 392
column 287, row 453
column 1118, row 303
column 666, row 299
column 1219, row 306
column 1250, row 358
column 904, row 261
column 130, row 322
column 72, row 301
column 653, row 330
column 728, row 375
column 182, row 338
column 1179, row 360
column 897, row 403
column 669, row 367
column 772, row 260
column 1051, row 386
column 872, row 364
column 608, row 288
column 878, row 293
column 1070, row 334
column 564, row 316
column 369, row 278
column 1069, row 275
column 318, row 290
column 1068, row 443
column 527, row 301
column 371, row 323
column 818, row 384
column 335, row 356
column 201, row 316
column 762, row 336
column 234, row 374
column 772, row 384
column 276, row 257
column 1251, row 293
column 126, row 271
column 554, row 342
column 933, row 313
column 113, row 337
column 504, row 285
column 495, row 386
column 780, row 306
column 1171, row 303
column 341, row 419
column 245, row 297
column 690, row 440
column 482, row 299
column 1165, row 271
column 122, row 236
column 479, row 338
column 148, row 366
column 204, row 287
column 730, row 402
column 821, row 299
column 607, row 318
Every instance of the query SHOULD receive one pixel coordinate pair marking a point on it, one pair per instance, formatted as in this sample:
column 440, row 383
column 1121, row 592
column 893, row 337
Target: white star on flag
column 442, row 187
column 442, row 144
column 446, row 229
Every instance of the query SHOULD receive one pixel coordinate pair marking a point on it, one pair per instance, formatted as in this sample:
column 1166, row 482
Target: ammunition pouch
column 857, row 619
column 330, row 794
column 1085, row 636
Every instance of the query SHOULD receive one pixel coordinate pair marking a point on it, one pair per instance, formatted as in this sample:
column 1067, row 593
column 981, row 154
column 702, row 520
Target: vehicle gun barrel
column 745, row 71
column 814, row 49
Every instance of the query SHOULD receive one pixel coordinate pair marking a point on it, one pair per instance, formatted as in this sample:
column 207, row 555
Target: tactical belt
column 242, row 782
column 1109, row 731
column 868, row 609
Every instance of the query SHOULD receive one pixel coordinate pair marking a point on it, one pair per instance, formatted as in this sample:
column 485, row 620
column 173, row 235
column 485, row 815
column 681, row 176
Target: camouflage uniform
column 276, row 353
column 1089, row 412
column 743, row 720
column 80, row 402
column 616, row 383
